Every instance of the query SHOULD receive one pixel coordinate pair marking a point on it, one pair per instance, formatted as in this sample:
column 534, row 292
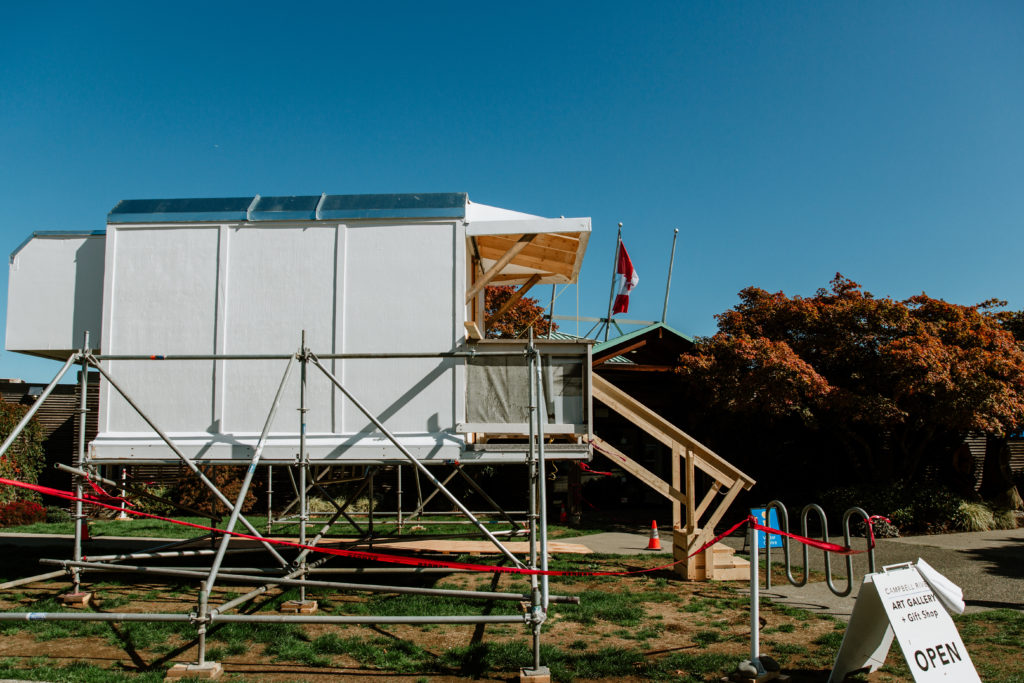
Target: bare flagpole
column 611, row 295
column 668, row 282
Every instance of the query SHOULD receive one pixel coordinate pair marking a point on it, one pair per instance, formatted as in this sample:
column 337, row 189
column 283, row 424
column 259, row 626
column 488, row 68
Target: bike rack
column 804, row 516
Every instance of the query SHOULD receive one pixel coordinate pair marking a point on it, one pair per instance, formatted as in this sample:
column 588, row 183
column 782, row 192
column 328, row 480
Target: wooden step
column 725, row 565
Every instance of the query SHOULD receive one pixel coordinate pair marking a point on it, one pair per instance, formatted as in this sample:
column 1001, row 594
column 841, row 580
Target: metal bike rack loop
column 805, row 513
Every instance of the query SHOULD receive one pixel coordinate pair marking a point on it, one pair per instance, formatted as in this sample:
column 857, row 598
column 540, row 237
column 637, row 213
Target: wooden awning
column 544, row 250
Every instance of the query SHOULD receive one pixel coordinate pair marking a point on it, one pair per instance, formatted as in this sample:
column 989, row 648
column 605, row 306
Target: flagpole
column 611, row 295
column 668, row 282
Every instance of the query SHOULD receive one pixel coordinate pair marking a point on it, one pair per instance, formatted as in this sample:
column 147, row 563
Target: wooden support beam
column 632, row 347
column 708, row 497
column 516, row 296
column 622, row 367
column 707, row 531
column 677, row 475
column 638, row 470
column 692, row 516
column 473, row 330
column 502, row 261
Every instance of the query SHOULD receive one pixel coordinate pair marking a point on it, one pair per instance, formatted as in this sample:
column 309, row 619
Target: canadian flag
column 626, row 278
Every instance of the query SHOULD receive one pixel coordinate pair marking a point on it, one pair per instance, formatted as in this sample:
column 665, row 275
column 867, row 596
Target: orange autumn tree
column 895, row 385
column 516, row 320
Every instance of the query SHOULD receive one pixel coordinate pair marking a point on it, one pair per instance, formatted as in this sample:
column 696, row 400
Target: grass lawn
column 143, row 527
column 641, row 627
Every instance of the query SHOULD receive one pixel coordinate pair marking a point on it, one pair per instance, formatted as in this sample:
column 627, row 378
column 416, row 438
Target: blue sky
column 785, row 140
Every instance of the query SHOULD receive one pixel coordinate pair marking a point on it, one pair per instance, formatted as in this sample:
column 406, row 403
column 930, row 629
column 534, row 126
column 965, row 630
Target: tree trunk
column 996, row 480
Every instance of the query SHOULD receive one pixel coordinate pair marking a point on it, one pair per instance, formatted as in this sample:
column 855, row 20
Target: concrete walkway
column 987, row 565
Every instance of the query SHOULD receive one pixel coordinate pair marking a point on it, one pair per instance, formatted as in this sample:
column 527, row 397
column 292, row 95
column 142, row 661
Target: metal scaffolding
column 290, row 564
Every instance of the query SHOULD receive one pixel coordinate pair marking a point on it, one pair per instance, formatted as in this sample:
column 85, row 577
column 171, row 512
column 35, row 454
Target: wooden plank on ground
column 467, row 547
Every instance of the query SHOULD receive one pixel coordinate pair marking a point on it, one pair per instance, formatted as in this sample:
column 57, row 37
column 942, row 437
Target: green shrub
column 1005, row 519
column 24, row 459
column 973, row 517
column 56, row 514
column 913, row 507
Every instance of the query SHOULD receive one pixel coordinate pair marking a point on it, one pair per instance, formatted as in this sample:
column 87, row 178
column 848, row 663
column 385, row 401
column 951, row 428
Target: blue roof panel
column 311, row 207
column 285, row 208
column 426, row 205
column 180, row 210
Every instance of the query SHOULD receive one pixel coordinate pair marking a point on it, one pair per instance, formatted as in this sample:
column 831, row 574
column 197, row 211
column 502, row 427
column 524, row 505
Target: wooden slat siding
column 1016, row 456
column 977, row 442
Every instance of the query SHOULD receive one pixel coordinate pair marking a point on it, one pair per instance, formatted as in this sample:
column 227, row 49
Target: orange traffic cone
column 655, row 542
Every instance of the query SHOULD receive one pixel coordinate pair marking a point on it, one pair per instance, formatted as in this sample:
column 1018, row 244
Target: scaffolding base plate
column 539, row 675
column 76, row 599
column 299, row 607
column 209, row 671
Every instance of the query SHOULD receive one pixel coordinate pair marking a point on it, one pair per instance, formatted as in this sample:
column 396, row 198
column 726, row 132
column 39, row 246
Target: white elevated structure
column 391, row 285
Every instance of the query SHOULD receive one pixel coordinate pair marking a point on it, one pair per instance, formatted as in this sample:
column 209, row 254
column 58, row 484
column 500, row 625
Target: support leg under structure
column 538, row 510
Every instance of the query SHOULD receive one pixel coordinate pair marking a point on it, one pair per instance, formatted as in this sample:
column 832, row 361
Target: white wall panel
column 280, row 281
column 162, row 300
column 55, row 294
column 399, row 284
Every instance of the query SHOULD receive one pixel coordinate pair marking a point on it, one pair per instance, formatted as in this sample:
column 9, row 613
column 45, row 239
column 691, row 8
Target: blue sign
column 773, row 523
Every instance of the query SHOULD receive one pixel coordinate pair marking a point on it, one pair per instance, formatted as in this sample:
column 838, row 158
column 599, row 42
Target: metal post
column 551, row 312
column 416, row 463
column 542, row 502
column 203, row 617
column 755, row 625
column 124, row 478
column 535, row 599
column 398, row 472
column 303, row 462
column 611, row 294
column 370, row 506
column 270, row 499
column 83, row 411
column 668, row 281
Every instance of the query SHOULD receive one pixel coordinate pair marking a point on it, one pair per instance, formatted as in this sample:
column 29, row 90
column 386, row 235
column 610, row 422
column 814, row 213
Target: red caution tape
column 586, row 468
column 103, row 495
column 417, row 561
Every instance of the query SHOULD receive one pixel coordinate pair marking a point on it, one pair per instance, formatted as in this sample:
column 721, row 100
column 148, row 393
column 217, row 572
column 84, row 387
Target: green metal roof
column 638, row 333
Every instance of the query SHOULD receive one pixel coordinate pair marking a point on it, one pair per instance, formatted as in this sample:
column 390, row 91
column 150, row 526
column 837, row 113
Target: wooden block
column 298, row 607
column 210, row 671
column 76, row 599
column 541, row 675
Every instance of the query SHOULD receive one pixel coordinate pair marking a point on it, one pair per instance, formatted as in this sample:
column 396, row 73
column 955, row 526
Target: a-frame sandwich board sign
column 901, row 603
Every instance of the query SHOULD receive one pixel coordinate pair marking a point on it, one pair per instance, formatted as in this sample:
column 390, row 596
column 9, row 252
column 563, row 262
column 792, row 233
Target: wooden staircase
column 688, row 455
